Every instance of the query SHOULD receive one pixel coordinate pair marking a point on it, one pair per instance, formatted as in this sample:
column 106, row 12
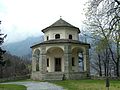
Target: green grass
column 87, row 84
column 12, row 87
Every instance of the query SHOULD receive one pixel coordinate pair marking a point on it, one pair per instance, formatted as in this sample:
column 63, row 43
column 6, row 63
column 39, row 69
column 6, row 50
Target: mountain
column 22, row 48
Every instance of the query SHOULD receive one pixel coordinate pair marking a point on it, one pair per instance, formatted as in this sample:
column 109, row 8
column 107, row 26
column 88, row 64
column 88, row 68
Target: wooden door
column 57, row 64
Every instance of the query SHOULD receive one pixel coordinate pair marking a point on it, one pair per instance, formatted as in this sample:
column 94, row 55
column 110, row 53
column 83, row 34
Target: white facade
column 64, row 34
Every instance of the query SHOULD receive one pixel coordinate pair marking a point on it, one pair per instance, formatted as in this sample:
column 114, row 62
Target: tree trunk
column 117, row 69
column 118, row 58
column 100, row 67
column 1, row 71
column 105, row 68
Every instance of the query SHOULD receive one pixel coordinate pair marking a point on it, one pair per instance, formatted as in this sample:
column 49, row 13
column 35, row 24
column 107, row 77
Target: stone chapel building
column 61, row 55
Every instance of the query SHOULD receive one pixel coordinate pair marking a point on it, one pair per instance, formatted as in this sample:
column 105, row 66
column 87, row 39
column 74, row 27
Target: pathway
column 32, row 85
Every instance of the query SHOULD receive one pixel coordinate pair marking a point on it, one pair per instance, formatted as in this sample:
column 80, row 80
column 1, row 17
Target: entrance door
column 57, row 64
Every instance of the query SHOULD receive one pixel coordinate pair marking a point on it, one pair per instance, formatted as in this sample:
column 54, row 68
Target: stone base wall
column 37, row 76
column 58, row 76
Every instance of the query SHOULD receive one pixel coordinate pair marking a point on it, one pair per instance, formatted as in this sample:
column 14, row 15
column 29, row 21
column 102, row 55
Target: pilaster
column 86, row 61
column 67, row 60
column 33, row 63
column 42, row 60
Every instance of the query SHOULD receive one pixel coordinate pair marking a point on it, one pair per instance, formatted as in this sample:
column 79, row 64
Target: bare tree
column 103, row 21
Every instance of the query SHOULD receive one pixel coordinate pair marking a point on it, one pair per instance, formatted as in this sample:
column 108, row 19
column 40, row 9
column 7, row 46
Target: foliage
column 15, row 66
column 87, row 84
column 12, row 87
column 2, row 61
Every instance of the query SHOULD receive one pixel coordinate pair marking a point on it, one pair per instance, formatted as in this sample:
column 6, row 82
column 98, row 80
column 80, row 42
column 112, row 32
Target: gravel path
column 32, row 85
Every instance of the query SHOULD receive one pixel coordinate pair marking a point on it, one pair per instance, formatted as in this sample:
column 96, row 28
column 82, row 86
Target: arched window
column 57, row 36
column 70, row 36
column 47, row 37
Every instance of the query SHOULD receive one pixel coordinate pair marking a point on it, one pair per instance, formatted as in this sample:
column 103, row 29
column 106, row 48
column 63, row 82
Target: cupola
column 61, row 30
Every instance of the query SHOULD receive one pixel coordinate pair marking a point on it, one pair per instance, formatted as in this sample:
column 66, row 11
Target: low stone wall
column 14, row 78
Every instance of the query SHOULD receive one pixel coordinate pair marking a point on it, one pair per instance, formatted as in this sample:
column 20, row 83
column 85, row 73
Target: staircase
column 54, row 76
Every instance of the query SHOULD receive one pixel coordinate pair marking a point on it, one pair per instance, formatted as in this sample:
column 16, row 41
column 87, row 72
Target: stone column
column 86, row 61
column 42, row 60
column 67, row 60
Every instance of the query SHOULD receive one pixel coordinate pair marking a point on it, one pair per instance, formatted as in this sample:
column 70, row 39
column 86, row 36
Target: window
column 47, row 62
column 47, row 37
column 73, row 61
column 57, row 36
column 70, row 36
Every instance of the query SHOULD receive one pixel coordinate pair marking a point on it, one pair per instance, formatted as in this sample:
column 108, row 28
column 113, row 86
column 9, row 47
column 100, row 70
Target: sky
column 26, row 18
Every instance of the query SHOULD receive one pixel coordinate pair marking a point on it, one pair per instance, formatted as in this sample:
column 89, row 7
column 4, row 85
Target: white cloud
column 23, row 18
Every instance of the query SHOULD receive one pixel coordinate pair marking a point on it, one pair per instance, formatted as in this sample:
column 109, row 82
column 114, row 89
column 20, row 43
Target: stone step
column 54, row 76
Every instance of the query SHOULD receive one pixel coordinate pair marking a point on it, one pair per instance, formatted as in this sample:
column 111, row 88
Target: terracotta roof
column 60, row 23
column 55, row 41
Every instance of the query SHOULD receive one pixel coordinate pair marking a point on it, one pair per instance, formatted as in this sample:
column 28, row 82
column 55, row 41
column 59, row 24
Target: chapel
column 61, row 56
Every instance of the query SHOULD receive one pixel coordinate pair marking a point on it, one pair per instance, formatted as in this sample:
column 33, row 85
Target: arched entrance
column 55, row 59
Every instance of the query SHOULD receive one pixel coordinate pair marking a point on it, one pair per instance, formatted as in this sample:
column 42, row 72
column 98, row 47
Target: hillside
column 22, row 48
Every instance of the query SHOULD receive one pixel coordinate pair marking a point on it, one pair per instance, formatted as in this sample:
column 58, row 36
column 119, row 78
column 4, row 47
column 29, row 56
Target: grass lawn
column 87, row 84
column 12, row 87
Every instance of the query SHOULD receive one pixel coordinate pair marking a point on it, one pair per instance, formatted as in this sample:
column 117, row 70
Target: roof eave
column 48, row 28
column 47, row 42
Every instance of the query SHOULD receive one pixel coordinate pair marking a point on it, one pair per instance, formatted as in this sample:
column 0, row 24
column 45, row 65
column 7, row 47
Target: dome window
column 47, row 37
column 57, row 36
column 70, row 36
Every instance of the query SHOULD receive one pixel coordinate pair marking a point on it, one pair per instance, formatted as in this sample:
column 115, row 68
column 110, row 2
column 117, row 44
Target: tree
column 103, row 19
column 15, row 66
column 2, row 62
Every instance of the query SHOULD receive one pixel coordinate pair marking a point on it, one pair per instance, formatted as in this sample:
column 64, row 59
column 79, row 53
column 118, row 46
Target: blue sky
column 25, row 18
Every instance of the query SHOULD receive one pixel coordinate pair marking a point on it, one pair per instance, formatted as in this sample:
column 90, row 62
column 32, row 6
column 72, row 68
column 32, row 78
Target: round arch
column 51, row 49
column 78, row 49
column 36, row 55
column 55, row 59
column 36, row 51
column 77, row 54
